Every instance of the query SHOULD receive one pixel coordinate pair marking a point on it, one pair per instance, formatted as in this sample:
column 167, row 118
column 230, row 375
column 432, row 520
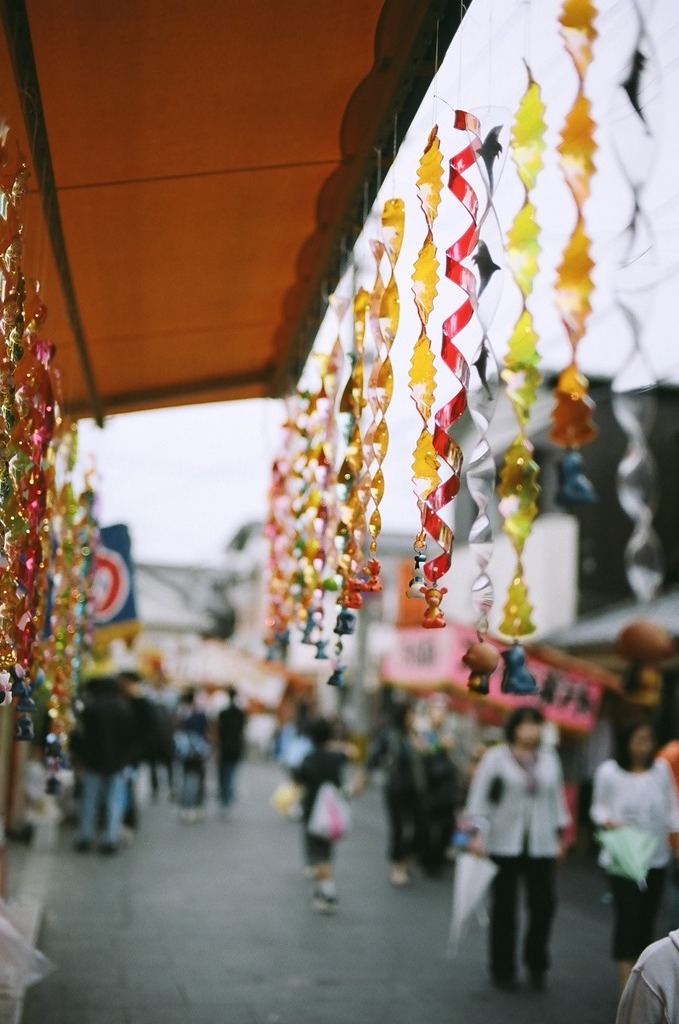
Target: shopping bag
column 330, row 815
column 629, row 850
column 21, row 964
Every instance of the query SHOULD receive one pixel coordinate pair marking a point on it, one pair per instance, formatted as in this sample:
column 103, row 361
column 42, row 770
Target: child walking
column 325, row 763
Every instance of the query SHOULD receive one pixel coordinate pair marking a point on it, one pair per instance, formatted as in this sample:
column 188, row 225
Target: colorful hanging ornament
column 280, row 532
column 383, row 314
column 446, row 447
column 352, row 483
column 74, row 539
column 572, row 425
column 12, row 326
column 483, row 387
column 634, row 399
column 518, row 488
column 516, row 678
column 481, row 658
column 422, row 376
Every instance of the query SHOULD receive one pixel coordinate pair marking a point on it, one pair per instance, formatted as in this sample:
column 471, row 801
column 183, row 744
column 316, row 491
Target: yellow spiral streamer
column 518, row 489
column 384, row 314
column 572, row 415
column 425, row 278
column 351, row 476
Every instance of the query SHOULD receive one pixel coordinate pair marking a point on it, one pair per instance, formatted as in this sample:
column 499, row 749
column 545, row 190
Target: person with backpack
column 192, row 750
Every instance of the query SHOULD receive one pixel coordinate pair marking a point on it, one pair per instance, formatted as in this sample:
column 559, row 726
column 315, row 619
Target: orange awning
column 200, row 166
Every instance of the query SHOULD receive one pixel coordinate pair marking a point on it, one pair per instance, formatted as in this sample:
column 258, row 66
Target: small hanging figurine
column 516, row 678
column 5, row 687
column 574, row 487
column 321, row 650
column 481, row 659
column 369, row 580
column 643, row 644
column 337, row 677
column 346, row 623
column 433, row 616
column 417, row 583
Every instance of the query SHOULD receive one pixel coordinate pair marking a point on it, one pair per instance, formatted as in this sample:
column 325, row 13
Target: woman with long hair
column 634, row 788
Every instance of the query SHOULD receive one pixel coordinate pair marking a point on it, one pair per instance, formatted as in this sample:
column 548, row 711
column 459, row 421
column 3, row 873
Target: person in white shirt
column 651, row 994
column 635, row 789
column 517, row 808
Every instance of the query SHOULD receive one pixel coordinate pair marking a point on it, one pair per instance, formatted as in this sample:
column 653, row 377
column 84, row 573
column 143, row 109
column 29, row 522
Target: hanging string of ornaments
column 482, row 657
column 572, row 425
column 464, row 371
column 36, row 666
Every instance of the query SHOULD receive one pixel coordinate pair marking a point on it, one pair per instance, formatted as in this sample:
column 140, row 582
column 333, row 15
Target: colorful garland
column 518, row 488
column 572, row 415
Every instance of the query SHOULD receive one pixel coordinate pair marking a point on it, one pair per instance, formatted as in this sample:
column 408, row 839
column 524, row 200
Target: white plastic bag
column 330, row 816
column 21, row 964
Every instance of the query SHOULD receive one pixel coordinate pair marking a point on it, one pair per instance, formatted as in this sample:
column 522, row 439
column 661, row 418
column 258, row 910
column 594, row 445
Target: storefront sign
column 424, row 660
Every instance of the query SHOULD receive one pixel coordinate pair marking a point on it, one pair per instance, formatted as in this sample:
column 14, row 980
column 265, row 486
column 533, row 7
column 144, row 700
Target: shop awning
column 200, row 166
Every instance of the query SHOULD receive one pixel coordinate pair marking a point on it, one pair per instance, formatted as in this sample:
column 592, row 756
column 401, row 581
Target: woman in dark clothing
column 325, row 763
column 399, row 752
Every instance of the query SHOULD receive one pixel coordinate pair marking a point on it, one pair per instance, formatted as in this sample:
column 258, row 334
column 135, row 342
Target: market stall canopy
column 200, row 166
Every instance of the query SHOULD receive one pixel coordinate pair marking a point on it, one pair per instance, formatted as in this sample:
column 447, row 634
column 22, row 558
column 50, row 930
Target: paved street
column 211, row 922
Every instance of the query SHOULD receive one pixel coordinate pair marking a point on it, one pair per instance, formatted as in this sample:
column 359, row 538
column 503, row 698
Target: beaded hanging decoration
column 572, row 425
column 518, row 488
column 383, row 316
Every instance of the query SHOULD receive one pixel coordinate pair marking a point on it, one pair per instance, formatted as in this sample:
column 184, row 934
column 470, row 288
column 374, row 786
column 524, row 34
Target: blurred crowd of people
column 122, row 724
column 501, row 800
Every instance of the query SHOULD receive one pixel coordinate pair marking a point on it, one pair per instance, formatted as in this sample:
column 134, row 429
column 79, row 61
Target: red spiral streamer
column 444, row 444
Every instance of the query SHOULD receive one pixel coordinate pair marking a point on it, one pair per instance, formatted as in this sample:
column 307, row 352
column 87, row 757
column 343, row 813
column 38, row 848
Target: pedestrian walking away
column 102, row 745
column 323, row 765
column 398, row 751
column 231, row 724
column 443, row 787
column 193, row 750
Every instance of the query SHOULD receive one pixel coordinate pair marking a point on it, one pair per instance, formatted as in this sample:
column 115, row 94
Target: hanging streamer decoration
column 352, row 486
column 572, row 425
column 483, row 389
column 281, row 530
column 31, row 470
column 444, row 444
column 22, row 482
column 518, row 487
column 422, row 377
column 634, row 400
column 317, row 514
column 74, row 538
column 383, row 315
column 304, row 508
